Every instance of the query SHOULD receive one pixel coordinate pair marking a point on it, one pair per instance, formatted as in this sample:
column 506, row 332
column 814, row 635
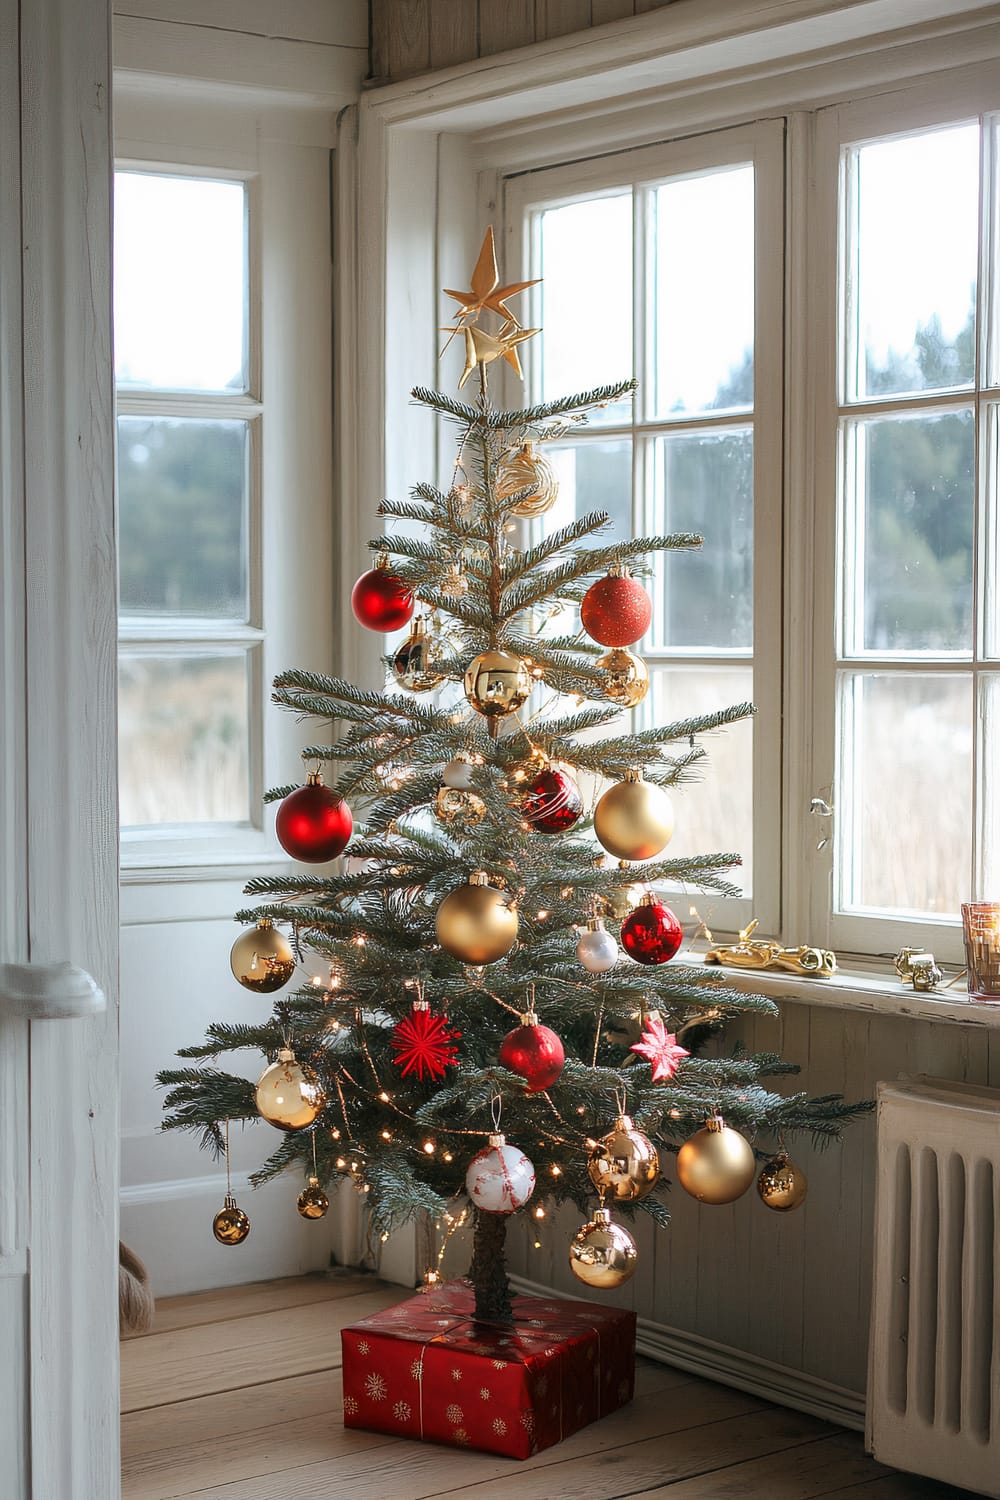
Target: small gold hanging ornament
column 782, row 1185
column 289, row 1095
column 716, row 1165
column 261, row 958
column 454, row 584
column 312, row 1202
column 626, row 677
column 634, row 819
column 230, row 1225
column 527, row 473
column 474, row 923
column 458, row 809
column 602, row 1254
column 497, row 683
column 625, row 1165
column 413, row 665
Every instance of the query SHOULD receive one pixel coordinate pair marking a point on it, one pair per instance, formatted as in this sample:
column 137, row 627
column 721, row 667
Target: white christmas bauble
column 597, row 950
column 458, row 773
column 500, row 1178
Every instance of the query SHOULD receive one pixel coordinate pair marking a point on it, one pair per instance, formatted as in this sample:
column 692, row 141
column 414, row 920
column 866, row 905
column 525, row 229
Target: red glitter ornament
column 424, row 1044
column 553, row 802
column 313, row 823
column 616, row 610
column 651, row 934
column 380, row 600
column 659, row 1046
column 534, row 1052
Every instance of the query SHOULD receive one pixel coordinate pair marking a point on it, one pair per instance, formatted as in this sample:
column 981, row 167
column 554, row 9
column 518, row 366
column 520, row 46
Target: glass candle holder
column 981, row 928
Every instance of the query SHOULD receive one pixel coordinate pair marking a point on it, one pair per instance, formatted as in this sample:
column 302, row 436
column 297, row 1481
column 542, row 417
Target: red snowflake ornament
column 424, row 1044
column 660, row 1047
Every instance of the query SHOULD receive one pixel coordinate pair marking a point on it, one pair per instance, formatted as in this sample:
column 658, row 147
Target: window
column 688, row 294
column 188, row 489
column 874, row 379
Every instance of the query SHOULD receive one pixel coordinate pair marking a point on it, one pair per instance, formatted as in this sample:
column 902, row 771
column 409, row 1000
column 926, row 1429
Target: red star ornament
column 424, row 1044
column 660, row 1047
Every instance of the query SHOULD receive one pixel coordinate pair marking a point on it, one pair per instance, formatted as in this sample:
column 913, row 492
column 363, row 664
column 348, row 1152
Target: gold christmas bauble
column 261, row 958
column 454, row 806
column 626, row 676
column 603, row 1254
column 475, row 924
column 526, row 469
column 230, row 1225
column 497, row 683
column 624, row 1166
column 635, row 819
column 312, row 1202
column 414, row 664
column 289, row 1096
column 782, row 1185
column 717, row 1164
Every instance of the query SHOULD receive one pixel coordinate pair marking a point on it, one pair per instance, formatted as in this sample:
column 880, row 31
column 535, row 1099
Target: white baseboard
column 736, row 1367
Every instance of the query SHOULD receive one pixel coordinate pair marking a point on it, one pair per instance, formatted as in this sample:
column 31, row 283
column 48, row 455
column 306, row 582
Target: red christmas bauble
column 313, row 823
column 553, row 802
column 381, row 601
column 616, row 610
column 534, row 1052
column 651, row 934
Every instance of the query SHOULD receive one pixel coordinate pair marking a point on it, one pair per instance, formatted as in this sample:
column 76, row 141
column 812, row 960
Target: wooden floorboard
column 236, row 1395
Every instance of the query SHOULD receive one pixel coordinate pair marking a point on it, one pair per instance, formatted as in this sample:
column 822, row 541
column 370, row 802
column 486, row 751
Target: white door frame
column 58, row 792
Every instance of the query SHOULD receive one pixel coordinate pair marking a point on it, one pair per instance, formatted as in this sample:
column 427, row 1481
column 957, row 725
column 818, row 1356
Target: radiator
column 934, row 1353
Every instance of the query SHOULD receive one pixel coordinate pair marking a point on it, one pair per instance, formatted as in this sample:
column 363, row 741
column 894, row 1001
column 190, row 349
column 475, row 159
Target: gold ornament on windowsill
column 765, row 953
column 917, row 967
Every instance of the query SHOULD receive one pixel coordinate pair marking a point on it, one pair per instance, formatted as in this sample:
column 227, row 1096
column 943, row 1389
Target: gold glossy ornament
column 626, row 676
column 497, row 683
column 230, row 1225
column 413, row 665
column 454, row 807
column 635, row 818
column 526, row 469
column 261, row 958
column 603, row 1254
column 289, row 1095
column 474, row 923
column 312, row 1202
column 624, row 1166
column 717, row 1164
column 782, row 1185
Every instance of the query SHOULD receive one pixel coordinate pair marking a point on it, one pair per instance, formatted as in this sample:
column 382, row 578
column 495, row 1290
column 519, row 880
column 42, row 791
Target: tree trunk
column 488, row 1271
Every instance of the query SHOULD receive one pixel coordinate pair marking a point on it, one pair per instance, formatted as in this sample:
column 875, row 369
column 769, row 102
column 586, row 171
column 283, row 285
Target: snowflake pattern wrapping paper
column 427, row 1370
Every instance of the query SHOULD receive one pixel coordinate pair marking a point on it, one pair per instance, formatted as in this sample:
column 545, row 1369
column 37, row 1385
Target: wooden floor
column 236, row 1395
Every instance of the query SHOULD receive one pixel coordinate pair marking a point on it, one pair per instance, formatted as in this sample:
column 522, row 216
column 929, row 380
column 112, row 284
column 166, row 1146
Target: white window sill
column 863, row 988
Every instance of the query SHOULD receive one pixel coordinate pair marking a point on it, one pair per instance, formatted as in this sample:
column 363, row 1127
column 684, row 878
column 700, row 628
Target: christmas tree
column 476, row 1042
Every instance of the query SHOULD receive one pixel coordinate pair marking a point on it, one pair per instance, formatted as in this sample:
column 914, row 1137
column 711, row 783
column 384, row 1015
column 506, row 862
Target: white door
column 58, row 837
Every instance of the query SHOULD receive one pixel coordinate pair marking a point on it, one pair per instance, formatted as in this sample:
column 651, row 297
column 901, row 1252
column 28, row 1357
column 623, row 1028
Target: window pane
column 183, row 737
column 593, row 476
column 714, row 811
column 180, row 282
column 911, row 262
column 704, row 483
column 989, row 458
column 989, row 790
column 586, row 299
column 704, row 290
column 182, row 487
column 903, row 830
column 909, row 538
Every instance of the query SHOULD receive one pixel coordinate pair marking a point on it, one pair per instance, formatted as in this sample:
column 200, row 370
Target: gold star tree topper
column 485, row 294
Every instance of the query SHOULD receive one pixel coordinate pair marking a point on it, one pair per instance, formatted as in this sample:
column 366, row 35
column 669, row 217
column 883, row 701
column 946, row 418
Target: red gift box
column 426, row 1369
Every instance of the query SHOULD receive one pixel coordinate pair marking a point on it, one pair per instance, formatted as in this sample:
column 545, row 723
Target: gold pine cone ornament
column 475, row 922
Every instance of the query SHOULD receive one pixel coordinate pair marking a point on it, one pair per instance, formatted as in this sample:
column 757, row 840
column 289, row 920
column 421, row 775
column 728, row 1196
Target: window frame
column 641, row 171
column 283, row 157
